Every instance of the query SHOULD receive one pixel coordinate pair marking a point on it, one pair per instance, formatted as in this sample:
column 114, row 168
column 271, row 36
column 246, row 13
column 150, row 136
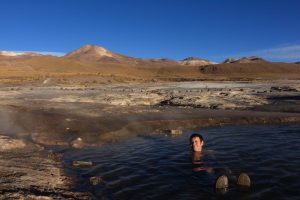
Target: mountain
column 91, row 60
column 251, row 59
column 95, row 53
column 192, row 61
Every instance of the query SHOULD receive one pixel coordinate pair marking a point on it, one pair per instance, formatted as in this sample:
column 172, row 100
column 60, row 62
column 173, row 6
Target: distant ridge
column 193, row 61
column 18, row 54
column 229, row 60
column 251, row 59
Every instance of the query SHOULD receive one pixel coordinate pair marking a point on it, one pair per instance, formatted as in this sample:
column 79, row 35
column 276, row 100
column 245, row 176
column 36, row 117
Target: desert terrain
column 92, row 97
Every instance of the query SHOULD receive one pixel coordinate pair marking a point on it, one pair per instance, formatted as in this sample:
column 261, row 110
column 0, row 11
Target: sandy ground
column 76, row 116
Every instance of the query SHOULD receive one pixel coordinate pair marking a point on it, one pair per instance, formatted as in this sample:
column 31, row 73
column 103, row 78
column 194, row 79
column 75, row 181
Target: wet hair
column 196, row 135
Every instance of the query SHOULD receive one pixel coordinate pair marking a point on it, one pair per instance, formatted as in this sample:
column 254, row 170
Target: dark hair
column 196, row 135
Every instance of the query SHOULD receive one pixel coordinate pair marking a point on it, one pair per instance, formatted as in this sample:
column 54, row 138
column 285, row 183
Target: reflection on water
column 160, row 167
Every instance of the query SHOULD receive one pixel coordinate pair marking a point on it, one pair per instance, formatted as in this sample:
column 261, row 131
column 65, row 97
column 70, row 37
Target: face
column 197, row 144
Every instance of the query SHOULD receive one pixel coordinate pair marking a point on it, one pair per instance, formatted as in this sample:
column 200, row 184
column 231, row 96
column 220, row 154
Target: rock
column 288, row 89
column 176, row 132
column 95, row 180
column 82, row 163
column 213, row 106
column 77, row 143
column 7, row 143
column 172, row 131
column 46, row 81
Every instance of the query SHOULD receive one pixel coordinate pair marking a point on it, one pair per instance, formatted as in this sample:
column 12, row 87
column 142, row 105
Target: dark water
column 159, row 167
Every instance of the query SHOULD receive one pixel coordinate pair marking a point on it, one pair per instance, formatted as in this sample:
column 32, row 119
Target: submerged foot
column 221, row 185
column 244, row 180
column 221, row 182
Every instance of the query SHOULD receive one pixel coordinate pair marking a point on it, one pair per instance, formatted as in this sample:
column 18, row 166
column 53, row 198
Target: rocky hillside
column 253, row 69
column 192, row 61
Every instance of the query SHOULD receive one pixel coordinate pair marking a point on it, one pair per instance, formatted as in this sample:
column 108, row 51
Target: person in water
column 197, row 143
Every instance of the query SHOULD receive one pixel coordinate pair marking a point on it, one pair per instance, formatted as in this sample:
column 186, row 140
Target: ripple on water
column 159, row 167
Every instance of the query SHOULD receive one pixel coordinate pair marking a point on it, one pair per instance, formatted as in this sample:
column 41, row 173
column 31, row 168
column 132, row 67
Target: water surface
column 160, row 167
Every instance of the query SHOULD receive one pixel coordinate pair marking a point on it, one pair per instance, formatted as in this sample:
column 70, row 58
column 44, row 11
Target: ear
column 202, row 143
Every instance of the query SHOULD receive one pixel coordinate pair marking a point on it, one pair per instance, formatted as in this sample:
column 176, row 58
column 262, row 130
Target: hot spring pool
column 160, row 167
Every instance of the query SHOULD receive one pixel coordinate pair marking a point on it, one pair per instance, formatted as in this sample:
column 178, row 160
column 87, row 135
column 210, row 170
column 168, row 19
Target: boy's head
column 196, row 142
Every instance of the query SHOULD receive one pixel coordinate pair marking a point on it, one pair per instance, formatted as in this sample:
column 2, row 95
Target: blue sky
column 212, row 29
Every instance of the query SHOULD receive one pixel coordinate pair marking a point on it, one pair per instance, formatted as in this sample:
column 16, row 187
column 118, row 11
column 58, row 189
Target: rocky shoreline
column 28, row 171
column 35, row 118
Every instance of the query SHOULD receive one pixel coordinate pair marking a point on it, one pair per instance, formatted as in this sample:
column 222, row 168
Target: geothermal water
column 160, row 166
